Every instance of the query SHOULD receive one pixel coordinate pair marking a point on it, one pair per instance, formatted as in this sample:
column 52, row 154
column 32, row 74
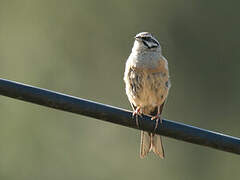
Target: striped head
column 144, row 41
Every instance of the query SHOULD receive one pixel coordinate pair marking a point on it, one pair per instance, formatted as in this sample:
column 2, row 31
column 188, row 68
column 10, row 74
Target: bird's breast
column 146, row 86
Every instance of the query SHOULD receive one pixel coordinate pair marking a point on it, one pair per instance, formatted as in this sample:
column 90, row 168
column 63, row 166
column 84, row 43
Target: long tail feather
column 145, row 145
column 150, row 142
column 157, row 146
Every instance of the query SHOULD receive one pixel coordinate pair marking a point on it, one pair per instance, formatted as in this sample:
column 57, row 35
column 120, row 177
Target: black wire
column 119, row 116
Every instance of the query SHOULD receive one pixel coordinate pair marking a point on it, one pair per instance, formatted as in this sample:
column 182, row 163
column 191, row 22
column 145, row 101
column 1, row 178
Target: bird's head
column 144, row 41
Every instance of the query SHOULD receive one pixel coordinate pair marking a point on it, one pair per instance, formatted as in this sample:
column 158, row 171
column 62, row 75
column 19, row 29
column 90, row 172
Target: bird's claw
column 137, row 113
column 157, row 117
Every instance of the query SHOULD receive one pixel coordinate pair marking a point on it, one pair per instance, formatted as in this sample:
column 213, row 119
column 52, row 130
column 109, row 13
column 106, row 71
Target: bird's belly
column 151, row 94
column 148, row 89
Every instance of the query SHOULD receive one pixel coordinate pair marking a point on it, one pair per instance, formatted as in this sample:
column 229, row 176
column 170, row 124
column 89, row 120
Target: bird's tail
column 150, row 141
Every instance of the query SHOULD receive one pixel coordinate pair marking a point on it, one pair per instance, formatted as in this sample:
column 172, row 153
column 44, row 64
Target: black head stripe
column 146, row 44
column 156, row 42
column 150, row 42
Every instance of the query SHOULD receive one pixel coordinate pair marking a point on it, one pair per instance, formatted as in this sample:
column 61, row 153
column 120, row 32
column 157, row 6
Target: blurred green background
column 79, row 47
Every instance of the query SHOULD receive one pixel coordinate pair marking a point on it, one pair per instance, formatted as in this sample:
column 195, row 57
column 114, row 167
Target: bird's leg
column 157, row 117
column 137, row 112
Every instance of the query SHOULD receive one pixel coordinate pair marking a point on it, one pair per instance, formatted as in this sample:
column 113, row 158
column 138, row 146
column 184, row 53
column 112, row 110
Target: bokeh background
column 79, row 47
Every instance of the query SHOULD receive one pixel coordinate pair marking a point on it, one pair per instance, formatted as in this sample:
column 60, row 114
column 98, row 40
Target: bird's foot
column 137, row 112
column 158, row 118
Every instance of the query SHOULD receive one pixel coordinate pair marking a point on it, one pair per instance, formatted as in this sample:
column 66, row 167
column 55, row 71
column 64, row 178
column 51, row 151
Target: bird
column 147, row 85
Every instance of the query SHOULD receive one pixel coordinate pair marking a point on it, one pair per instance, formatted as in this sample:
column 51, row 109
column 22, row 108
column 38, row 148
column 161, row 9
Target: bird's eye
column 146, row 38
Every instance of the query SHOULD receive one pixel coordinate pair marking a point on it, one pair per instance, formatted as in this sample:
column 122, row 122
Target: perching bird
column 147, row 84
